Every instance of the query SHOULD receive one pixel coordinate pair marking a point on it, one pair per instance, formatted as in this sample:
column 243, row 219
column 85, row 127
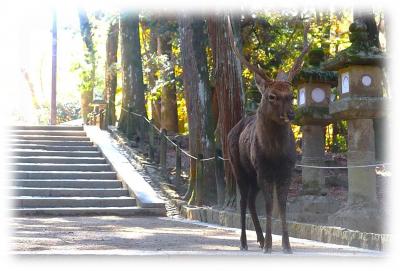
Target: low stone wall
column 326, row 234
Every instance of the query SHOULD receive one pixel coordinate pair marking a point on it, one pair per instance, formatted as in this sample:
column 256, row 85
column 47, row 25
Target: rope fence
column 162, row 134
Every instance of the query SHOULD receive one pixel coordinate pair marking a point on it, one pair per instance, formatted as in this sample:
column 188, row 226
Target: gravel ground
column 111, row 235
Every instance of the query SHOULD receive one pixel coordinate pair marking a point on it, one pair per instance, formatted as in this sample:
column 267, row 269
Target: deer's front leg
column 282, row 192
column 267, row 188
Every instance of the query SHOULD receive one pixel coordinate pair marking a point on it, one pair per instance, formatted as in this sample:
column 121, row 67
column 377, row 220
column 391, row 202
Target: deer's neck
column 271, row 136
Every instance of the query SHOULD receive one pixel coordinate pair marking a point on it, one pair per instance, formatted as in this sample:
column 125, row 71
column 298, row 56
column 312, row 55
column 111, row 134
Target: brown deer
column 262, row 149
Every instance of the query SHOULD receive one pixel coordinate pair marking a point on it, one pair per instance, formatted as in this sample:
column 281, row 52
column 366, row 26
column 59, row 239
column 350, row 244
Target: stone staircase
column 57, row 170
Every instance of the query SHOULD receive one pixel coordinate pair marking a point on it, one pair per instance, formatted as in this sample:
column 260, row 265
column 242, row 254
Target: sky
column 34, row 51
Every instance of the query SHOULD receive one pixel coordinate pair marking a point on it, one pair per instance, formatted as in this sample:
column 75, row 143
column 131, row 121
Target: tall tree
column 151, row 67
column 227, row 74
column 90, row 58
column 169, row 115
column 198, row 95
column 132, row 71
column 110, row 69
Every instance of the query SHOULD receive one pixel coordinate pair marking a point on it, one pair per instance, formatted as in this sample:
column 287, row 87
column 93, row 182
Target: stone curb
column 145, row 195
column 325, row 234
column 321, row 233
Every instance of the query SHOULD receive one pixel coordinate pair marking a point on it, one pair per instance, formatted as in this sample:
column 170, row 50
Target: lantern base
column 312, row 209
column 358, row 108
column 359, row 217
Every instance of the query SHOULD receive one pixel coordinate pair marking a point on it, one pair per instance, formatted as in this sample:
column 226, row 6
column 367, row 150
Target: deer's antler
column 244, row 61
column 299, row 61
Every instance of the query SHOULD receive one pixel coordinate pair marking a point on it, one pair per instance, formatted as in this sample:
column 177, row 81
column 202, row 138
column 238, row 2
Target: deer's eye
column 272, row 97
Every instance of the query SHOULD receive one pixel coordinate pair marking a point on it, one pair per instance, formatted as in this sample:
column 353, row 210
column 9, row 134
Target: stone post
column 361, row 151
column 313, row 154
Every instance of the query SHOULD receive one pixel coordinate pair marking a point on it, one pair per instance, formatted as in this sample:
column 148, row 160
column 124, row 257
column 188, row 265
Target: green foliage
column 89, row 65
column 67, row 112
column 336, row 137
column 87, row 83
column 340, row 145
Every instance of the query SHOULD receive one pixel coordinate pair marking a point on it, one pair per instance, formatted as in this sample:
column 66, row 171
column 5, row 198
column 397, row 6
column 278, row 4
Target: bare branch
column 299, row 61
column 244, row 61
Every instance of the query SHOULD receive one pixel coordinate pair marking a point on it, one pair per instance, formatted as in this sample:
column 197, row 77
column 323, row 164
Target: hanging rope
column 224, row 159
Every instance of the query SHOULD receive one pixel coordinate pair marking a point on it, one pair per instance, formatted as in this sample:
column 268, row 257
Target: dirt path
column 147, row 236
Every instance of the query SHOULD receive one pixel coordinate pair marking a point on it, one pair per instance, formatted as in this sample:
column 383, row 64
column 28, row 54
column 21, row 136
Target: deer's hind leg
column 244, row 191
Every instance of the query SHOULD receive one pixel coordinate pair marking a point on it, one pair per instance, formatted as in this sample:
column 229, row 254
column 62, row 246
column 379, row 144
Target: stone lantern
column 312, row 114
column 314, row 93
column 98, row 116
column 361, row 99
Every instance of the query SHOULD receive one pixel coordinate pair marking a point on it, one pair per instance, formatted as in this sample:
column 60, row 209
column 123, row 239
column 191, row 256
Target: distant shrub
column 68, row 111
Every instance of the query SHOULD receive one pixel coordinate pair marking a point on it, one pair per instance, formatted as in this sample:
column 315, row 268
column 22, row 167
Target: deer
column 262, row 149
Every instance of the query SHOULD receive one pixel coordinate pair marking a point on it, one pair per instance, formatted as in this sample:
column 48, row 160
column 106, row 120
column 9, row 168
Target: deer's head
column 276, row 100
column 277, row 95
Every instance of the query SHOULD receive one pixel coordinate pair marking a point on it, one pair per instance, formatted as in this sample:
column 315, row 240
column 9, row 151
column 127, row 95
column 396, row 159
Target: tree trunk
column 155, row 104
column 152, row 68
column 110, row 70
column 198, row 95
column 229, row 88
column 169, row 114
column 87, row 93
column 132, row 72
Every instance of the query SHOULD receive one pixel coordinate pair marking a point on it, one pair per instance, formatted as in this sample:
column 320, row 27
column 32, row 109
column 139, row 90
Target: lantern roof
column 361, row 51
column 312, row 72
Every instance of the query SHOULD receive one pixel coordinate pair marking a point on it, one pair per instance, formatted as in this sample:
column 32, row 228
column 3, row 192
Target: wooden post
column 219, row 177
column 199, row 180
column 163, row 151
column 178, row 163
column 142, row 132
column 107, row 117
column 128, row 123
column 103, row 119
column 151, row 141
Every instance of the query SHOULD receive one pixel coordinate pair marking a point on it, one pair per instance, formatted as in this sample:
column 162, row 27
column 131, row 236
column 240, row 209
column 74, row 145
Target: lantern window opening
column 302, row 96
column 366, row 80
column 345, row 82
column 318, row 95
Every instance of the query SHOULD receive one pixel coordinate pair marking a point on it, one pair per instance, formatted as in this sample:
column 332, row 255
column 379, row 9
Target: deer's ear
column 261, row 83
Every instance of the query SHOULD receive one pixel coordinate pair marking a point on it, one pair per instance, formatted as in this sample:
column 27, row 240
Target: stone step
column 51, row 142
column 58, row 160
column 46, row 137
column 25, row 153
column 52, row 148
column 54, row 202
column 92, row 211
column 60, row 167
column 63, row 175
column 67, row 183
column 46, row 127
column 48, row 132
column 68, row 192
